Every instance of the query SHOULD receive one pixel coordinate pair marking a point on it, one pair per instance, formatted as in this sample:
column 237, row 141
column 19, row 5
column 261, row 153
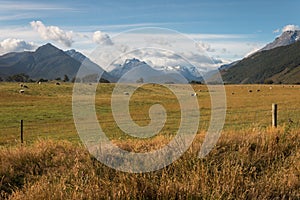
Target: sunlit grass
column 243, row 165
column 47, row 109
column 251, row 160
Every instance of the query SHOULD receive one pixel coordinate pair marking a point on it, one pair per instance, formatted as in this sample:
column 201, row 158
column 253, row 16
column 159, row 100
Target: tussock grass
column 249, row 164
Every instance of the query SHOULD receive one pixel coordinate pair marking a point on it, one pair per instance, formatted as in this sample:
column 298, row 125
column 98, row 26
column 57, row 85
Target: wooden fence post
column 22, row 131
column 274, row 115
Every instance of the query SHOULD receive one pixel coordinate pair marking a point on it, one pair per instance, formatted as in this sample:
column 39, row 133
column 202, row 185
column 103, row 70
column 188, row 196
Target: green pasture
column 46, row 109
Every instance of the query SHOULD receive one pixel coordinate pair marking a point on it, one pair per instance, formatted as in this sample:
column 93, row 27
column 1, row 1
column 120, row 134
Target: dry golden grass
column 243, row 165
column 250, row 161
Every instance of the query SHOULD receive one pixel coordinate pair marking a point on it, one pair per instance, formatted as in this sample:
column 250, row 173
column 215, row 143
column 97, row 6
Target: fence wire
column 235, row 119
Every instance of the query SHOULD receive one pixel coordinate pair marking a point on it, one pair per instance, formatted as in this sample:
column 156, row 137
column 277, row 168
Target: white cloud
column 160, row 58
column 219, row 36
column 276, row 31
column 290, row 27
column 102, row 38
column 222, row 49
column 204, row 46
column 226, row 47
column 15, row 45
column 25, row 32
column 53, row 33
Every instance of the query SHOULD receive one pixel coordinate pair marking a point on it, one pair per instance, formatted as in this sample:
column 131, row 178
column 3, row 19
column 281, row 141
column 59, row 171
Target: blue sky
column 229, row 29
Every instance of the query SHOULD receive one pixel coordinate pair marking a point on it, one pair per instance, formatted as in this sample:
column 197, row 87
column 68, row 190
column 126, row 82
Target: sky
column 227, row 30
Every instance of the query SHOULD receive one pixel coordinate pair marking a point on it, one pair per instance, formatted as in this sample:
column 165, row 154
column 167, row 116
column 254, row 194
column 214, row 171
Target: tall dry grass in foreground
column 243, row 165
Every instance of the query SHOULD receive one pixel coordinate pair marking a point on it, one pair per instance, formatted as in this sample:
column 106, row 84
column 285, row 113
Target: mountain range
column 286, row 38
column 277, row 62
column 47, row 62
column 134, row 70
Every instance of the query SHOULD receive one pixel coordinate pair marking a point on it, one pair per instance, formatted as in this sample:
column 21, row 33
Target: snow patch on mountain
column 286, row 38
column 190, row 73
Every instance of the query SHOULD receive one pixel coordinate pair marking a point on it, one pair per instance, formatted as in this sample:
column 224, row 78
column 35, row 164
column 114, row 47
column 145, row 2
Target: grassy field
column 47, row 109
column 251, row 160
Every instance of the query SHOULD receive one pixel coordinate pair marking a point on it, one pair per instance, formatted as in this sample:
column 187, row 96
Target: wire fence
column 241, row 118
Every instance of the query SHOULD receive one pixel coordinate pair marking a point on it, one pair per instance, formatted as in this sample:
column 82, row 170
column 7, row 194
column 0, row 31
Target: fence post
column 274, row 115
column 22, row 131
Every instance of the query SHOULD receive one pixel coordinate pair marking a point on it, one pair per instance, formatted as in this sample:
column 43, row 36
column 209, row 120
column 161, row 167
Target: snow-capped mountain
column 189, row 73
column 128, row 65
column 286, row 38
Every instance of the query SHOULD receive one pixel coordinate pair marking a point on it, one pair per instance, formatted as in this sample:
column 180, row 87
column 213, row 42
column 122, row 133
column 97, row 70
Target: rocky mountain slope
column 278, row 65
column 47, row 62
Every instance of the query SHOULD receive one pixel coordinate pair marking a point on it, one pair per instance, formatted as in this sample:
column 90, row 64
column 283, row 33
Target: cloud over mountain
column 204, row 46
column 102, row 38
column 290, row 27
column 15, row 45
column 53, row 33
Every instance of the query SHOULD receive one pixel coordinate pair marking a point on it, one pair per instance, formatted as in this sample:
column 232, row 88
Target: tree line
column 22, row 77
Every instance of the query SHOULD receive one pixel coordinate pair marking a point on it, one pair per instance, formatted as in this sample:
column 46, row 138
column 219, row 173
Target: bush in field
column 66, row 78
column 18, row 78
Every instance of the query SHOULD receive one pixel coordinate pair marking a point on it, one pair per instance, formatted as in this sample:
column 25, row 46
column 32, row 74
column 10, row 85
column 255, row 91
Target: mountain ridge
column 278, row 65
column 46, row 62
column 172, row 74
column 286, row 38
